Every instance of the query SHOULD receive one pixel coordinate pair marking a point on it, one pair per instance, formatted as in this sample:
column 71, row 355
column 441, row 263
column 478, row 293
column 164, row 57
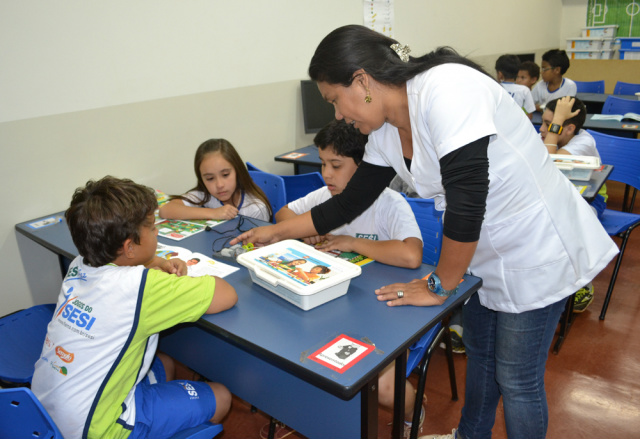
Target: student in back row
column 555, row 64
column 99, row 375
column 507, row 67
column 528, row 74
column 562, row 133
column 224, row 188
column 386, row 232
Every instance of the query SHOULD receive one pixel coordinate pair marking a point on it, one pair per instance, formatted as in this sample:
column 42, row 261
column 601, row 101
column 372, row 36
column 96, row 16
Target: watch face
column 431, row 283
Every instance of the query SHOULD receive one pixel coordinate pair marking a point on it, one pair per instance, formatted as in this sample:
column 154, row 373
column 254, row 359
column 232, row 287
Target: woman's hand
column 313, row 240
column 260, row 236
column 225, row 212
column 413, row 293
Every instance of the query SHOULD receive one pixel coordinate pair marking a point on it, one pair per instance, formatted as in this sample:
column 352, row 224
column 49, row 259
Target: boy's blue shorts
column 165, row 408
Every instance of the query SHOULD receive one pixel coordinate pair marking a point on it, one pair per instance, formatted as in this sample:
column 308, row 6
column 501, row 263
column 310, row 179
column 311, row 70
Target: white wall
column 132, row 88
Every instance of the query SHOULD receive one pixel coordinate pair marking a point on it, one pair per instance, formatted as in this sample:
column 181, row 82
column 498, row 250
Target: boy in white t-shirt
column 566, row 116
column 507, row 67
column 386, row 232
column 528, row 74
column 99, row 375
column 555, row 64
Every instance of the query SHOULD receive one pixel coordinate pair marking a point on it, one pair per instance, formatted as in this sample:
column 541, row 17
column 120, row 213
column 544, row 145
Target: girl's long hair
column 244, row 182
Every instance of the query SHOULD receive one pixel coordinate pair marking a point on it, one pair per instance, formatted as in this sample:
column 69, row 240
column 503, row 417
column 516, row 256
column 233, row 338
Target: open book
column 619, row 117
column 179, row 229
column 197, row 263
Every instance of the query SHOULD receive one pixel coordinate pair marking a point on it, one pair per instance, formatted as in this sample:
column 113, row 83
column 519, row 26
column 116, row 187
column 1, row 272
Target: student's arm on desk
column 224, row 296
column 454, row 261
column 285, row 213
column 176, row 209
column 406, row 253
column 171, row 266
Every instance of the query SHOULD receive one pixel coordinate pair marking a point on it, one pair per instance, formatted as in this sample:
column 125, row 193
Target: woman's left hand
column 412, row 293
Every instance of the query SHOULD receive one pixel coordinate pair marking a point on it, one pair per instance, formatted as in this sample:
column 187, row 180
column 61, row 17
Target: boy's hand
column 343, row 243
column 563, row 110
column 173, row 266
column 413, row 293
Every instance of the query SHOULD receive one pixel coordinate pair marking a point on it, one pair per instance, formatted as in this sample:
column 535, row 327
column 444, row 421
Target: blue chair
column 207, row 430
column 626, row 88
column 297, row 186
column 252, row 167
column 23, row 416
column 590, row 86
column 273, row 187
column 430, row 223
column 21, row 339
column 614, row 105
column 624, row 154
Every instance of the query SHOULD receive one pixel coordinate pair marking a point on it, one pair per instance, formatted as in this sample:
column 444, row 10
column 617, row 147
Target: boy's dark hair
column 508, row 65
column 578, row 119
column 532, row 68
column 104, row 214
column 345, row 140
column 557, row 58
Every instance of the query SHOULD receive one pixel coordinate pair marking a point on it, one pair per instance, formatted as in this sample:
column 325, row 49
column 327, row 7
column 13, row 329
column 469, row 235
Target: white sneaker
column 407, row 425
column 453, row 435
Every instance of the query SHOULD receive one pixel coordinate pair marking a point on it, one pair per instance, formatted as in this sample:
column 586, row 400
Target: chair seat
column 21, row 338
column 616, row 222
column 207, row 430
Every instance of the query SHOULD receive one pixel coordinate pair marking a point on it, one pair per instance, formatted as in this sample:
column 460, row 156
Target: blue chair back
column 273, row 187
column 417, row 350
column 626, row 88
column 614, row 105
column 297, row 186
column 430, row 222
column 621, row 152
column 23, row 416
column 252, row 167
column 590, row 86
column 21, row 339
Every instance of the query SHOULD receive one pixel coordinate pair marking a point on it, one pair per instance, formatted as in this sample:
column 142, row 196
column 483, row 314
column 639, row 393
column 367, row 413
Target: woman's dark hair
column 345, row 139
column 244, row 182
column 104, row 214
column 350, row 48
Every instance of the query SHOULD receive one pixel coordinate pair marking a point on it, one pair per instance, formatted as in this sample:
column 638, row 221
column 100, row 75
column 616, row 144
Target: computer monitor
column 315, row 110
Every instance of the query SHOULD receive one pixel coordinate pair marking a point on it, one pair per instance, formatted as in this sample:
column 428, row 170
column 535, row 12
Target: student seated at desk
column 555, row 64
column 507, row 67
column 224, row 188
column 562, row 133
column 528, row 74
column 99, row 375
column 387, row 231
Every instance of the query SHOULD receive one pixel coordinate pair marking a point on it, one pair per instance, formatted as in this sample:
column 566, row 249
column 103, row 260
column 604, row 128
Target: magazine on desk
column 197, row 263
column 179, row 229
column 635, row 117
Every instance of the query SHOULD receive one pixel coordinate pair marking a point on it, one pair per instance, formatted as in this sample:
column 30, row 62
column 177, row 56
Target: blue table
column 259, row 349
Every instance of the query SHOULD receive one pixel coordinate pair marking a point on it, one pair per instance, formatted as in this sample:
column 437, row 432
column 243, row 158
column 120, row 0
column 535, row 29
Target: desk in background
column 259, row 349
column 612, row 127
column 595, row 101
column 304, row 160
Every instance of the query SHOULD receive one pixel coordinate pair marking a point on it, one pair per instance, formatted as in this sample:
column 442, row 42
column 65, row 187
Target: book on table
column 197, row 263
column 635, row 117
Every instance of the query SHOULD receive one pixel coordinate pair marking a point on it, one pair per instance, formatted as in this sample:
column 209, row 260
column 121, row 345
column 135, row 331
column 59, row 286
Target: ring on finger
column 400, row 294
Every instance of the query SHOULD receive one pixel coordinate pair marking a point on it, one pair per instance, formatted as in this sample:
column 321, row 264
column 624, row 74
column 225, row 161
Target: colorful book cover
column 298, row 266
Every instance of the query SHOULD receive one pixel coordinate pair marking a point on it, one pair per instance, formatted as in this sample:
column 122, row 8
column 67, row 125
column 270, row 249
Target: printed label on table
column 294, row 155
column 45, row 222
column 630, row 127
column 341, row 353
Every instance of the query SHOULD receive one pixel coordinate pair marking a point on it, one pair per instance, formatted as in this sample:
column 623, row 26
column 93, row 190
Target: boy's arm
column 224, row 297
column 284, row 214
column 406, row 253
column 562, row 113
column 176, row 209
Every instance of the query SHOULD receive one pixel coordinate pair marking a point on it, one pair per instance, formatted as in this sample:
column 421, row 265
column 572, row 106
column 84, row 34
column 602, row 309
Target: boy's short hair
column 578, row 119
column 557, row 58
column 104, row 214
column 532, row 68
column 344, row 138
column 508, row 65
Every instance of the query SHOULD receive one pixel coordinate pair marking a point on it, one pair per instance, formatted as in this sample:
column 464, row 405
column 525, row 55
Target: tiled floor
column 592, row 384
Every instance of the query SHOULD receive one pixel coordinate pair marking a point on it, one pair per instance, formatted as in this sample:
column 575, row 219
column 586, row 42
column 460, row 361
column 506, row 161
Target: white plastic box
column 298, row 273
column 600, row 31
column 630, row 54
column 585, row 43
column 576, row 167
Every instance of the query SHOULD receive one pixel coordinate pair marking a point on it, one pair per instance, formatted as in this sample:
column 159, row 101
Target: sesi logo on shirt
column 371, row 236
